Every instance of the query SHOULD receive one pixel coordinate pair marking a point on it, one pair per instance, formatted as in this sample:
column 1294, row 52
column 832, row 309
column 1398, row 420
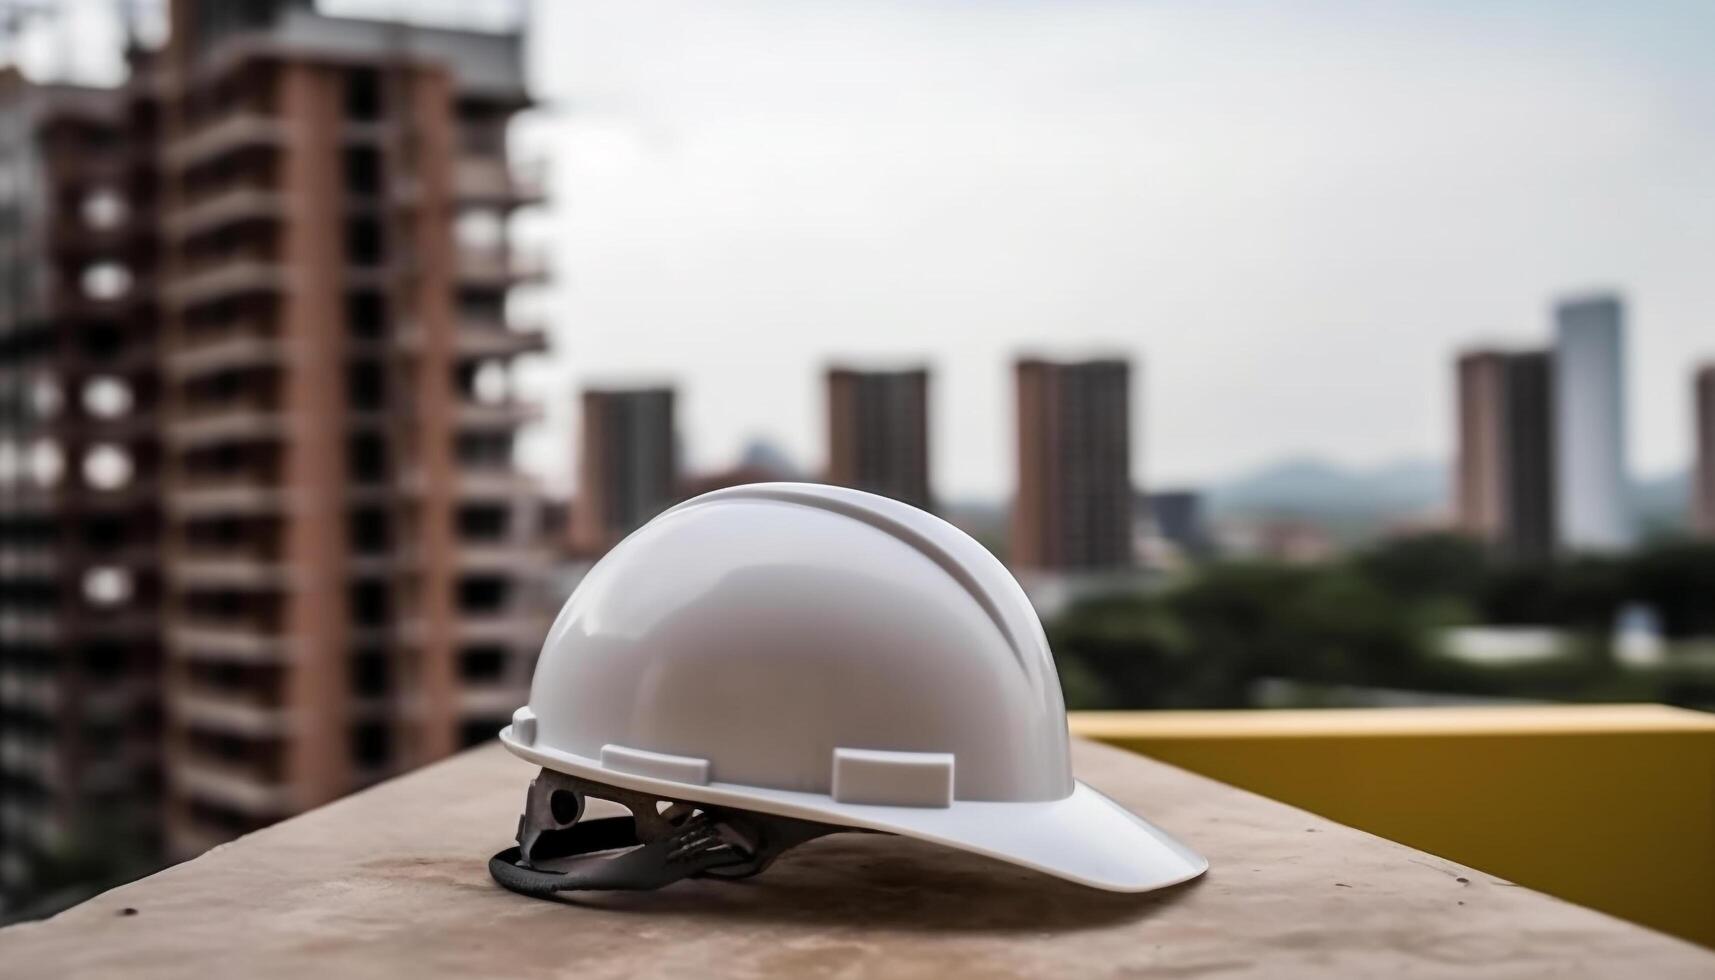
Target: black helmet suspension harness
column 667, row 840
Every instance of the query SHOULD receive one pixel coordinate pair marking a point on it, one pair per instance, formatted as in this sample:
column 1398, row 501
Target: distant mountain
column 1323, row 492
column 1315, row 489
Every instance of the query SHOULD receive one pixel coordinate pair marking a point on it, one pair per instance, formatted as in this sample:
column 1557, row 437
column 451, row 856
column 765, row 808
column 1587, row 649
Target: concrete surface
column 392, row 882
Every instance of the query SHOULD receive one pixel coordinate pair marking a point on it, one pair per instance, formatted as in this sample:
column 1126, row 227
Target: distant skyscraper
column 628, row 471
column 1073, row 509
column 1590, row 425
column 1506, row 450
column 878, row 432
column 1176, row 516
column 1703, row 500
column 1480, row 484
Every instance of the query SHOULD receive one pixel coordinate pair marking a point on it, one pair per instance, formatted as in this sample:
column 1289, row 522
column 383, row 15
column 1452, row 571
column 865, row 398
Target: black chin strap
column 668, row 840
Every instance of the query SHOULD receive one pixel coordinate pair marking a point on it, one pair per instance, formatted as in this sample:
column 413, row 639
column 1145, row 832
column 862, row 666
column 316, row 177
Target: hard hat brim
column 1085, row 837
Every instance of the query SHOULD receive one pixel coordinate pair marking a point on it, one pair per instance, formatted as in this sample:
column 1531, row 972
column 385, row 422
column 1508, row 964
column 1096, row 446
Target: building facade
column 1479, row 474
column 1073, row 510
column 80, row 515
column 1703, row 429
column 1505, row 474
column 327, row 335
column 306, row 511
column 627, row 465
column 1593, row 512
column 878, row 433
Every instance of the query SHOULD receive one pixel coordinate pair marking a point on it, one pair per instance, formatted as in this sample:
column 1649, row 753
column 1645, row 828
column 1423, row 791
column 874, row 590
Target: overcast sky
column 1290, row 215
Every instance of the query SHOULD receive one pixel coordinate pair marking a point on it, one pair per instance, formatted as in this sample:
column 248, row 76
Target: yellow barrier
column 1609, row 806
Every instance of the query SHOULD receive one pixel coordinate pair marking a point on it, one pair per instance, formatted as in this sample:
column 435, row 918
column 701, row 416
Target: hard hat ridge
column 956, row 554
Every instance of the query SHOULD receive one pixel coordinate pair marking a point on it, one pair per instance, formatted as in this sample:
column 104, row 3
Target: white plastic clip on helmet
column 770, row 663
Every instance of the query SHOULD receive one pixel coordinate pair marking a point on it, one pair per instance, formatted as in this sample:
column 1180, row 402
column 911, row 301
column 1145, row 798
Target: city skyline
column 1613, row 148
column 1237, row 200
column 1503, row 467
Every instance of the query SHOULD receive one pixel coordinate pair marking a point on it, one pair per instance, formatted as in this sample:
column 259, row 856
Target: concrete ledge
column 392, row 882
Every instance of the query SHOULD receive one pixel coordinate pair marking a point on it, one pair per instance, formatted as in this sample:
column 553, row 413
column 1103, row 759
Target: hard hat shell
column 830, row 655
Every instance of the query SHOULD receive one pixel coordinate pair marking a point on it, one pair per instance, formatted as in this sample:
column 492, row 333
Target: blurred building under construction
column 261, row 538
column 80, row 479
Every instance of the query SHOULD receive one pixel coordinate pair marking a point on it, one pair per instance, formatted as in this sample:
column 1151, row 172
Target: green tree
column 1428, row 566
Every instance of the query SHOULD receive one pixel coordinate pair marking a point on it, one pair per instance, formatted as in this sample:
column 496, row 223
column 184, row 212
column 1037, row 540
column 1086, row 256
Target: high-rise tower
column 1505, row 478
column 1074, row 505
column 628, row 465
column 1593, row 510
column 878, row 432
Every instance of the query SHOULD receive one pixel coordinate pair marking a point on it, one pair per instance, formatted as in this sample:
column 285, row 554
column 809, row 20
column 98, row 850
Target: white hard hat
column 785, row 660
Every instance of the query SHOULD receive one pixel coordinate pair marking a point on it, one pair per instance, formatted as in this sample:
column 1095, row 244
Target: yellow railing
column 1609, row 806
